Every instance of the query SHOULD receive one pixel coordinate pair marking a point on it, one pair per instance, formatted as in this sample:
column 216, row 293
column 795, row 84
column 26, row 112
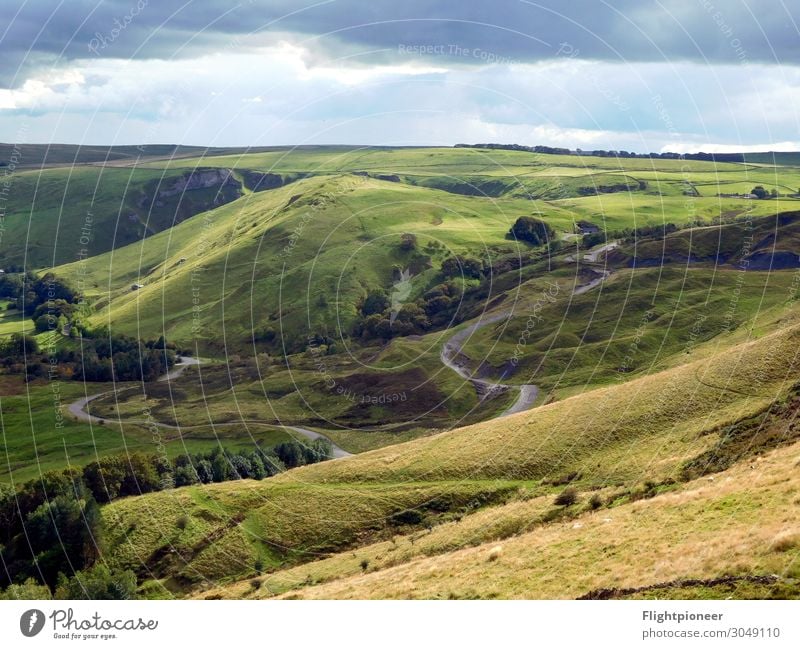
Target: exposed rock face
column 259, row 181
column 200, row 179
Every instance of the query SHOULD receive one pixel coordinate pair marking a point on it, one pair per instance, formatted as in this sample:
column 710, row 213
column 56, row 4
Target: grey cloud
column 45, row 32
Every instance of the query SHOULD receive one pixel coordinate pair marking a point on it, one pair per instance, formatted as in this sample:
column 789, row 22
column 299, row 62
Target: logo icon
column 31, row 622
column 401, row 289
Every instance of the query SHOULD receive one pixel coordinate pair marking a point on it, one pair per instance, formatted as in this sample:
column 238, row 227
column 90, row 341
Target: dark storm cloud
column 38, row 33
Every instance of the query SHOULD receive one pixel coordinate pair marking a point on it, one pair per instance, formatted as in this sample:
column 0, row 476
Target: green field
column 666, row 368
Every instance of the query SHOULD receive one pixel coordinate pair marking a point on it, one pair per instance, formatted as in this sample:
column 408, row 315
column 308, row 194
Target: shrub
column 408, row 242
column 532, row 230
column 595, row 502
column 566, row 498
column 182, row 522
column 467, row 267
column 364, row 564
column 98, row 582
column 407, row 517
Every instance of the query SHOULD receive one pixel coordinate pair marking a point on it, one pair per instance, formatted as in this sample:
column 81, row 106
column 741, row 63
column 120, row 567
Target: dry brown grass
column 737, row 524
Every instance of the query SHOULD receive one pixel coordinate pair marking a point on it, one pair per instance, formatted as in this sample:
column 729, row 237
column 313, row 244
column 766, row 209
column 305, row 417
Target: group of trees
column 117, row 476
column 380, row 319
column 602, row 153
column 52, row 526
column 759, row 192
column 629, row 235
column 532, row 230
column 48, row 527
column 108, row 357
column 33, row 292
column 384, row 318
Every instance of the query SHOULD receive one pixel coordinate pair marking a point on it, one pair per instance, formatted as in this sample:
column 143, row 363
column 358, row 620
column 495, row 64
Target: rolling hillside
column 622, row 443
column 656, row 367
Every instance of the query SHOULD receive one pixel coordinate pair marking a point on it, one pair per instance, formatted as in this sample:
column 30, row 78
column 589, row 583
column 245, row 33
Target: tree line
column 612, row 153
column 52, row 531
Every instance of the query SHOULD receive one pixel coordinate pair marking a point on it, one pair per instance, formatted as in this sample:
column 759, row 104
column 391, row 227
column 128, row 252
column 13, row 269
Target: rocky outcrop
column 259, row 181
column 199, row 179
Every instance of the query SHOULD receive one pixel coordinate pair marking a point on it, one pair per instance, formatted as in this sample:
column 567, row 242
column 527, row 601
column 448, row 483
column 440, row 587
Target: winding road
column 453, row 357
column 456, row 360
column 78, row 410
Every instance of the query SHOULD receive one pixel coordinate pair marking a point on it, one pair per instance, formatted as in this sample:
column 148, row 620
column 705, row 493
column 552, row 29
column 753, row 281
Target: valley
column 527, row 375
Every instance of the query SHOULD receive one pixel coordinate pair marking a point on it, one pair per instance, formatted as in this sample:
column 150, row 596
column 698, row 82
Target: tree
column 29, row 589
column 63, row 534
column 220, row 466
column 205, row 472
column 10, row 286
column 462, row 266
column 98, row 582
column 532, row 230
column 376, row 302
column 408, row 242
column 759, row 192
column 19, row 345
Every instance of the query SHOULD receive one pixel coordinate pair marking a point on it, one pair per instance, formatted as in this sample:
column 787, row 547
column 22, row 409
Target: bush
column 595, row 502
column 566, row 498
column 467, row 267
column 408, row 242
column 182, row 522
column 99, row 582
column 376, row 302
column 29, row 589
column 532, row 230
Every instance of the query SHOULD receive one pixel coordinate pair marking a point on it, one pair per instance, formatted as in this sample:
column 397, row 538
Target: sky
column 638, row 75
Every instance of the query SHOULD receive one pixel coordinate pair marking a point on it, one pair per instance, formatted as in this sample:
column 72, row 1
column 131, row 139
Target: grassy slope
column 743, row 523
column 633, row 325
column 252, row 260
column 643, row 430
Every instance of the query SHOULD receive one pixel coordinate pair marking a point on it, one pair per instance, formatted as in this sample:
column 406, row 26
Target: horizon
column 490, row 145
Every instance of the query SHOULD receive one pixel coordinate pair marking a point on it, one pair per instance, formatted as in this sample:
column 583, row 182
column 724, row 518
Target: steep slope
column 56, row 216
column 299, row 257
column 737, row 536
column 615, row 438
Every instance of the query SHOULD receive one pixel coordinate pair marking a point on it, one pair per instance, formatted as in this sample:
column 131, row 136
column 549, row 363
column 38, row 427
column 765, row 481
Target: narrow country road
column 78, row 409
column 454, row 358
